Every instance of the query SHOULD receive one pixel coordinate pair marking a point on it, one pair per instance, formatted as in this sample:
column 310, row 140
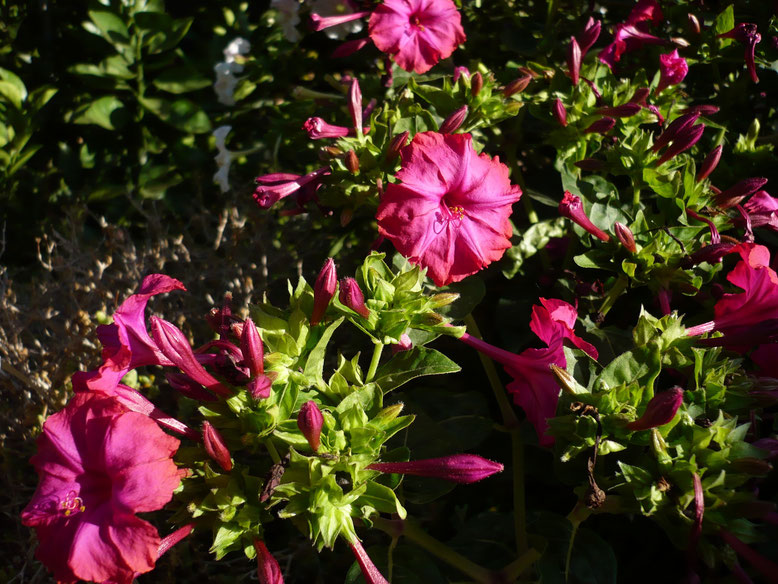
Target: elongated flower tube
column 369, row 571
column 215, row 446
column 317, row 129
column 736, row 193
column 676, row 127
column 745, row 33
column 323, row 290
column 274, row 187
column 682, row 142
column 631, row 34
column 574, row 61
column 457, row 468
column 660, row 410
column 626, row 110
column 452, row 123
column 310, row 421
column 589, row 35
column 355, row 105
column 517, row 85
column 268, row 570
column 351, row 295
column 672, row 70
column 173, row 539
column 601, row 126
column 709, row 164
column 188, row 387
column 572, row 208
column 252, row 349
column 767, row 568
column 560, row 113
column 175, row 346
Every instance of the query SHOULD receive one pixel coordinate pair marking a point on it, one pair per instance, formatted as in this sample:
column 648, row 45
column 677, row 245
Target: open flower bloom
column 748, row 317
column 98, row 465
column 672, row 70
column 632, row 35
column 745, row 33
column 450, row 214
column 761, row 209
column 534, row 386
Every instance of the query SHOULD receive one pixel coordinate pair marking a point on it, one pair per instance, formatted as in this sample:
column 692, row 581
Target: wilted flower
column 310, row 421
column 673, row 69
column 571, row 207
column 450, row 213
column 274, row 187
column 99, row 464
column 458, row 468
column 746, row 34
column 660, row 410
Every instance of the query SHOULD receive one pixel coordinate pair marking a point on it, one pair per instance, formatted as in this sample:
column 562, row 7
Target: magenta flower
column 625, row 237
column 417, row 33
column 632, row 35
column 323, row 290
column 216, row 447
column 672, row 70
column 458, row 468
column 369, row 571
column 100, row 464
column 739, row 191
column 746, row 34
column 534, row 386
column 660, row 410
column 709, row 164
column 574, row 58
column 589, row 35
column 450, row 214
column 559, row 111
column 571, row 207
column 317, row 128
column 352, row 297
column 268, row 570
column 761, row 209
column 742, row 316
column 310, row 421
column 274, row 187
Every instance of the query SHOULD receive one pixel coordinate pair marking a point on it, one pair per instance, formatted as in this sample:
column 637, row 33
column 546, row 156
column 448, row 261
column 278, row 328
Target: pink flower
column 274, row 187
column 745, row 33
column 458, row 468
column 126, row 342
column 761, row 209
column 534, row 386
column 660, row 410
column 310, row 422
column 571, row 207
column 743, row 316
column 450, row 214
column 369, row 571
column 323, row 290
column 631, row 35
column 98, row 465
column 268, row 570
column 673, row 68
column 417, row 33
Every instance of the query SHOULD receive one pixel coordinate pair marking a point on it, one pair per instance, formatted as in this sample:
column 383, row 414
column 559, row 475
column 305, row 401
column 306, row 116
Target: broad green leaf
column 314, row 366
column 108, row 25
column 382, row 499
column 12, row 87
column 181, row 80
column 182, row 114
column 725, row 22
column 408, row 365
column 107, row 112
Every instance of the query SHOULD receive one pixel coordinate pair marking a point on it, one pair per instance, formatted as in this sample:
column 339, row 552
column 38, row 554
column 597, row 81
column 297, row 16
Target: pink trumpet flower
column 274, row 187
column 458, row 468
column 673, row 69
column 632, row 35
column 317, row 129
column 571, row 207
column 746, row 34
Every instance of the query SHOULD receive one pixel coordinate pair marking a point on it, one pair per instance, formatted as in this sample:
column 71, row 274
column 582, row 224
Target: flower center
column 56, row 507
column 416, row 21
column 457, row 212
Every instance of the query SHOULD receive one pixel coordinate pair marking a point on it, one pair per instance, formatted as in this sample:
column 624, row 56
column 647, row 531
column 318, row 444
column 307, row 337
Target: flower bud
column 683, row 141
column 660, row 410
column 317, row 128
column 443, row 299
column 174, row 345
column 188, row 387
column 736, row 193
column 620, row 111
column 395, row 145
column 601, row 126
column 566, row 381
column 452, row 123
column 259, row 387
column 457, row 468
column 676, row 127
column 574, row 61
column 694, row 24
column 702, row 110
column 640, row 95
column 389, row 413
column 560, row 113
column 405, row 344
column 215, row 446
column 324, row 290
column 352, row 162
column 710, row 163
column 516, row 86
column 252, row 349
column 572, row 208
column 369, row 571
column 310, row 421
column 351, row 296
column 589, row 35
column 751, row 465
column 268, row 570
column 476, row 84
column 355, row 105
column 625, row 237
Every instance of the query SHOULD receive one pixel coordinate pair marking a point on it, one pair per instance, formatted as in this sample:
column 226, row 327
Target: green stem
column 377, row 350
column 272, row 451
column 438, row 549
column 530, row 209
column 636, row 196
column 517, row 567
column 613, row 294
column 577, row 516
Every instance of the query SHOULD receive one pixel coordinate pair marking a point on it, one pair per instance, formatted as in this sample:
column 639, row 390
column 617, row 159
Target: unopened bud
column 443, row 299
column 574, row 61
column 476, row 84
column 601, row 126
column 676, row 127
column 736, row 193
column 694, row 24
column 572, row 208
column 352, row 162
column 589, row 35
column 268, row 570
column 640, row 95
column 560, row 113
column 405, row 344
column 625, row 237
column 620, row 111
column 324, row 290
column 709, row 164
column 751, row 465
column 310, row 422
column 332, row 151
column 452, row 123
column 432, row 319
column 252, row 349
column 215, row 446
column 702, row 110
column 679, row 42
column 351, row 296
column 682, row 142
column 566, row 381
column 355, row 105
column 389, row 413
column 458, row 468
column 660, row 410
column 345, row 216
column 395, row 145
column 517, row 85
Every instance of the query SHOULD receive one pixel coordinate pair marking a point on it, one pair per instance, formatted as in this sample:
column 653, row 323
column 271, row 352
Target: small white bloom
column 288, row 17
column 223, row 159
column 337, row 8
column 237, row 47
column 225, row 83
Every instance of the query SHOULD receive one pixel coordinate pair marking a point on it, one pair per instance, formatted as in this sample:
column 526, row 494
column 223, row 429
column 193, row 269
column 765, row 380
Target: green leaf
column 108, row 25
column 107, row 112
column 314, row 365
column 12, row 88
column 181, row 80
column 725, row 22
column 411, row 364
column 382, row 499
column 182, row 114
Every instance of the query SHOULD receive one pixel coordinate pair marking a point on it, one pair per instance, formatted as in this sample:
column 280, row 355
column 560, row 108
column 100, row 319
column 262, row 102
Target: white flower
column 237, row 47
column 225, row 83
column 337, row 8
column 223, row 158
column 288, row 17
